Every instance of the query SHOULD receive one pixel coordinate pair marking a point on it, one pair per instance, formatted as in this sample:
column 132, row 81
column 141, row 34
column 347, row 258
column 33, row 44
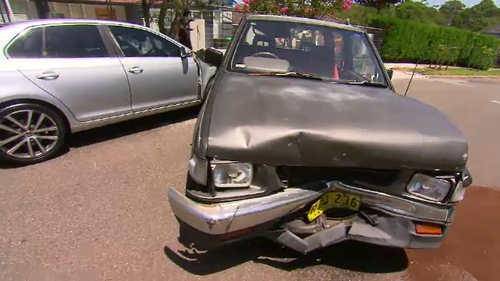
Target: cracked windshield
column 321, row 51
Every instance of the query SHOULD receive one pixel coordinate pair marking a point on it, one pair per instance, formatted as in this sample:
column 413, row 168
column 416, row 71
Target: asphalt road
column 100, row 211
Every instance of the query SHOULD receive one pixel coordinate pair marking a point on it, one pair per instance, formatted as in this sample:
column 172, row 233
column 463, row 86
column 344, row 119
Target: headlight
column 198, row 169
column 428, row 187
column 232, row 174
column 459, row 193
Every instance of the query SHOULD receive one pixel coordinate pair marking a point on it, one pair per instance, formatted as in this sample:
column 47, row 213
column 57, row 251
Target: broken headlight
column 428, row 187
column 459, row 193
column 232, row 174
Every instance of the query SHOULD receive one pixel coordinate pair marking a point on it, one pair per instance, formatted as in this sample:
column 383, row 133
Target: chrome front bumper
column 222, row 218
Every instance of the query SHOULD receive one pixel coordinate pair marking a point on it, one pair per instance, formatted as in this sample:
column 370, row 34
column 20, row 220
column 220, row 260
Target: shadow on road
column 348, row 255
column 131, row 127
column 122, row 129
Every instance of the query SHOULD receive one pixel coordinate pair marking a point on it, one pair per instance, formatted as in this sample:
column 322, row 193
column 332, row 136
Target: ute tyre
column 30, row 133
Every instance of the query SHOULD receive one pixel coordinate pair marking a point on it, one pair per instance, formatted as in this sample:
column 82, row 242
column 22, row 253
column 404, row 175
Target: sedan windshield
column 328, row 53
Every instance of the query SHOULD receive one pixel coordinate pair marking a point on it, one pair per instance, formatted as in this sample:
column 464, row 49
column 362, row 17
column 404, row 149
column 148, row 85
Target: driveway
column 100, row 211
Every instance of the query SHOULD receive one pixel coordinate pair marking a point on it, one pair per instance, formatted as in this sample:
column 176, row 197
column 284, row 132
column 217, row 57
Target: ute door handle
column 48, row 75
column 135, row 70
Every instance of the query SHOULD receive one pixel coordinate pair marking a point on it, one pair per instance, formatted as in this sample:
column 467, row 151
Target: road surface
column 100, row 211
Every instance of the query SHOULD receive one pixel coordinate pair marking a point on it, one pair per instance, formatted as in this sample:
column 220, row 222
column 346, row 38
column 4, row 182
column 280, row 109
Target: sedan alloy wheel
column 29, row 133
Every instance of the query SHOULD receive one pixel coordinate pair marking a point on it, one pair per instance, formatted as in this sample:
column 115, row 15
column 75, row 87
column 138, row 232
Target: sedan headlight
column 428, row 187
column 232, row 174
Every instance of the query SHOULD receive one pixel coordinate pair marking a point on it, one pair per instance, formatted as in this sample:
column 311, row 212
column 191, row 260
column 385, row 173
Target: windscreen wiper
column 362, row 83
column 288, row 74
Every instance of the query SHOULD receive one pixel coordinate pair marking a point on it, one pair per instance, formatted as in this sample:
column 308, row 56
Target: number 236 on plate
column 334, row 199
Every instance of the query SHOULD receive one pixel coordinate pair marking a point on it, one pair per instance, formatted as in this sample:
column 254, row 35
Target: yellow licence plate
column 334, row 199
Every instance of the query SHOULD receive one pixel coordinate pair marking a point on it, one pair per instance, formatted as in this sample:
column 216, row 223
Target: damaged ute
column 303, row 140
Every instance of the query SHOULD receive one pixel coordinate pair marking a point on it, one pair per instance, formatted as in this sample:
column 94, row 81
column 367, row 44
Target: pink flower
column 283, row 10
column 347, row 5
column 247, row 2
column 237, row 8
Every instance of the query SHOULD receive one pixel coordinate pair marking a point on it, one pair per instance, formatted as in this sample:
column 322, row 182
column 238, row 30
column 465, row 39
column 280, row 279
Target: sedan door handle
column 48, row 75
column 135, row 70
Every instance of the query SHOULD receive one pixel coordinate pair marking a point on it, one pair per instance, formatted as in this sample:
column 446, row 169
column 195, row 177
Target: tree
column 179, row 10
column 146, row 7
column 177, row 7
column 378, row 4
column 359, row 15
column 477, row 17
column 301, row 8
column 419, row 11
column 451, row 8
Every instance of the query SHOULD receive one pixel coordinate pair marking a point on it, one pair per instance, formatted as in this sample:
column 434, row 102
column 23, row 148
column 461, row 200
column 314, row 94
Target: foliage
column 456, row 72
column 377, row 4
column 478, row 17
column 451, row 13
column 450, row 9
column 179, row 10
column 411, row 10
column 300, row 8
column 412, row 41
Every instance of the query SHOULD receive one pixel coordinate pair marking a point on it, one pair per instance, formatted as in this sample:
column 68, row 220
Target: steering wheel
column 266, row 54
column 150, row 52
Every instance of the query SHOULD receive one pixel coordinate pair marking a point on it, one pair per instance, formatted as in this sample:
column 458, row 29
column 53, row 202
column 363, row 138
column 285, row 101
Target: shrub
column 411, row 41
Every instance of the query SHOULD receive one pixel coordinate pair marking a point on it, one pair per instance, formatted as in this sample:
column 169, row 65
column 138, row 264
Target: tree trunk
column 163, row 14
column 175, row 26
column 145, row 12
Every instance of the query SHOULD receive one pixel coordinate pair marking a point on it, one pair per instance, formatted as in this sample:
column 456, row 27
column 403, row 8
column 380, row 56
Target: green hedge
column 410, row 41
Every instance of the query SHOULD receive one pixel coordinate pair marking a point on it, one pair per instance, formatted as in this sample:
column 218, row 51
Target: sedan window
column 66, row 41
column 28, row 45
column 140, row 43
column 73, row 41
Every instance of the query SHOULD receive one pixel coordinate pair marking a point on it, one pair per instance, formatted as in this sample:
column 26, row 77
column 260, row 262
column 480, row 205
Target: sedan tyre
column 30, row 133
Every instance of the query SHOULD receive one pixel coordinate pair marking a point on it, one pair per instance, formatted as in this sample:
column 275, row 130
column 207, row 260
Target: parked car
column 310, row 147
column 63, row 76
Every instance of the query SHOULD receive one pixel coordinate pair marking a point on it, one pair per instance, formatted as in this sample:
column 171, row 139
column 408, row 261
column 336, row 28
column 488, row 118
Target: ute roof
column 304, row 20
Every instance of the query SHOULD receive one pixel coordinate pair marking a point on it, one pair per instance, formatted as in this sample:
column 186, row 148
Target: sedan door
column 73, row 64
column 157, row 73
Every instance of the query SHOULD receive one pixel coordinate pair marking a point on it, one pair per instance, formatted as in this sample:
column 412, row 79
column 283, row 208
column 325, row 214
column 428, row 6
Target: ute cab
column 303, row 140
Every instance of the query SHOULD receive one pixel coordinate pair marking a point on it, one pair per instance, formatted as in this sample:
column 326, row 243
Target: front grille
column 294, row 176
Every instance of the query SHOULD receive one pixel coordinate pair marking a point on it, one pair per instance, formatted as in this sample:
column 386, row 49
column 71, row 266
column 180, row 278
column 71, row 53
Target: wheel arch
column 54, row 108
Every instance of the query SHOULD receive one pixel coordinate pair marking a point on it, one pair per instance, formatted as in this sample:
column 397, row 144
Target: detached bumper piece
column 388, row 231
column 389, row 220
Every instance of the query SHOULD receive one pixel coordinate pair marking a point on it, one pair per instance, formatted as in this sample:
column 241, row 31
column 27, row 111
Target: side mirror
column 390, row 72
column 184, row 53
column 213, row 57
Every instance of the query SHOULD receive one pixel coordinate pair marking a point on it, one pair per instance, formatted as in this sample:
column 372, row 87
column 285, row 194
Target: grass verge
column 494, row 72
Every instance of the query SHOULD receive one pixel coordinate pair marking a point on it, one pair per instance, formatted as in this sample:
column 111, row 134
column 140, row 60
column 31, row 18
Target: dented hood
column 295, row 121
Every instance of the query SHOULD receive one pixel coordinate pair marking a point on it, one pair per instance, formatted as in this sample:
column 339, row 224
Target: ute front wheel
column 30, row 133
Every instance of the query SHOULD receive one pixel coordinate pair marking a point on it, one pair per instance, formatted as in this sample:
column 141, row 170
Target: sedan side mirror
column 213, row 57
column 184, row 53
column 390, row 72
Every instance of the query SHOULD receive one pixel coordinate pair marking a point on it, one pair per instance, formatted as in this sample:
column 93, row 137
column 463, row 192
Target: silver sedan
column 61, row 76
